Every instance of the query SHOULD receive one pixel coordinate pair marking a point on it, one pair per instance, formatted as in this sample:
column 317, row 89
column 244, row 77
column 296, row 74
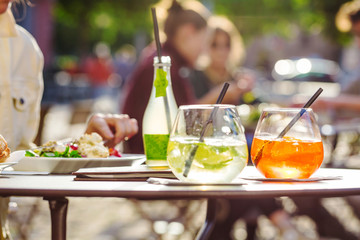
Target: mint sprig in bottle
column 159, row 115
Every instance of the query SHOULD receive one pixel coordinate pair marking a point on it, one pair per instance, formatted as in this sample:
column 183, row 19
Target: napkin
column 133, row 173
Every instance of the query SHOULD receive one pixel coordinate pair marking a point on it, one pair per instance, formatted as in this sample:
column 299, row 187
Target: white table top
column 65, row 186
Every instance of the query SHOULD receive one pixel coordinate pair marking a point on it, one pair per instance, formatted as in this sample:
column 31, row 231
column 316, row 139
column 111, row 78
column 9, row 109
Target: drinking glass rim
column 206, row 106
column 286, row 109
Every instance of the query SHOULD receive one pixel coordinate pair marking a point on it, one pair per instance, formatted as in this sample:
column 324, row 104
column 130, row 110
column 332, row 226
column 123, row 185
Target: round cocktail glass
column 297, row 154
column 207, row 144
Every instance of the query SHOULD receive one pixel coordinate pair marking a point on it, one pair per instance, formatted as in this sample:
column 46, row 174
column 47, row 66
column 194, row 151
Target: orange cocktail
column 287, row 157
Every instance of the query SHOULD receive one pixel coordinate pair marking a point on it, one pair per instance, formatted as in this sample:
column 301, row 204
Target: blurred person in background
column 221, row 63
column 185, row 28
column 21, row 81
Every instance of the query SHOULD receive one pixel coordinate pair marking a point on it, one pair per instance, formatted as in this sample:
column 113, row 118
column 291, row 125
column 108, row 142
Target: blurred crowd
column 101, row 72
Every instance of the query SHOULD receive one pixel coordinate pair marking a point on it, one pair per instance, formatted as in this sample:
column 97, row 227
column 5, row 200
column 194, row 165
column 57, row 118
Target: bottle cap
column 164, row 59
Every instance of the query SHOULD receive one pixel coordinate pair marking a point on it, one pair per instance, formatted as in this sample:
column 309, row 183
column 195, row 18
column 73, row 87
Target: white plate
column 5, row 165
column 68, row 165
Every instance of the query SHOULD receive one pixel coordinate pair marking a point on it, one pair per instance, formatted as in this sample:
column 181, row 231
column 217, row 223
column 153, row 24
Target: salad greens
column 65, row 154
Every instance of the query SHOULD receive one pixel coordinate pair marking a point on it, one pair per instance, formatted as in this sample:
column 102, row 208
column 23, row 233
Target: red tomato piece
column 114, row 152
column 74, row 147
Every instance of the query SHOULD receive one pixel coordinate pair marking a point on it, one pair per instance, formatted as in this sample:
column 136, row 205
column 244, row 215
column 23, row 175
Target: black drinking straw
column 156, row 33
column 189, row 161
column 302, row 111
column 158, row 48
column 291, row 123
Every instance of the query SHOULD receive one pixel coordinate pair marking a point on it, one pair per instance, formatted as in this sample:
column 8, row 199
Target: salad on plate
column 87, row 146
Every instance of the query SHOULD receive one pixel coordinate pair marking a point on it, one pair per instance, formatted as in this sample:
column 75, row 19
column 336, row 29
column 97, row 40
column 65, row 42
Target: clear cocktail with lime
column 219, row 156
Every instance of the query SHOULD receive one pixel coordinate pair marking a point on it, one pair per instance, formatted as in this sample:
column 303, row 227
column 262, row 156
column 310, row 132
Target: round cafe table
column 56, row 189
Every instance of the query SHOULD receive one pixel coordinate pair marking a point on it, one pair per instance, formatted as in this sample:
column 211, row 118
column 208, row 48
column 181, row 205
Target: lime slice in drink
column 213, row 157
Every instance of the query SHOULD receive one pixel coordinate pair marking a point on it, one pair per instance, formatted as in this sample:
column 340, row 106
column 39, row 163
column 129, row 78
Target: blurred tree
column 80, row 24
column 256, row 17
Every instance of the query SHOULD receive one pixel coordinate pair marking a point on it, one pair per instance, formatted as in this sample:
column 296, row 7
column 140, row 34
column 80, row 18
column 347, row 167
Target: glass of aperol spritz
column 296, row 154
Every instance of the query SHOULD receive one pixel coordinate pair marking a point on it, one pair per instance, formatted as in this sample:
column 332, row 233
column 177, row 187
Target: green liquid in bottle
column 155, row 149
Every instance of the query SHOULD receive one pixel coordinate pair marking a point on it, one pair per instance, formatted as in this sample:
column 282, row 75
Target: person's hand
column 113, row 128
column 243, row 83
column 233, row 94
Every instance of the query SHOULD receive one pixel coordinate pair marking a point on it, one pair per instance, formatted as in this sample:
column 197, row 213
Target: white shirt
column 21, row 83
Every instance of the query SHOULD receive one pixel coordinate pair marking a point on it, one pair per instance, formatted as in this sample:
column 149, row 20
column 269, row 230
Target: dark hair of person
column 221, row 31
column 24, row 3
column 354, row 17
column 178, row 16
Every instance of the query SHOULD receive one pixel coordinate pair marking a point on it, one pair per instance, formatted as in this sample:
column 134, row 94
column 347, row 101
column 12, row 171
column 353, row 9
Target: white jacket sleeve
column 36, row 84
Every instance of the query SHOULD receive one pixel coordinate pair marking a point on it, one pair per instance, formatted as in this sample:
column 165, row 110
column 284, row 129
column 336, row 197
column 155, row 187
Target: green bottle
column 159, row 115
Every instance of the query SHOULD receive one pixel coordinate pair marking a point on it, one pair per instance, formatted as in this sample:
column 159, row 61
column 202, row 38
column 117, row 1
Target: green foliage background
column 256, row 17
column 81, row 23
